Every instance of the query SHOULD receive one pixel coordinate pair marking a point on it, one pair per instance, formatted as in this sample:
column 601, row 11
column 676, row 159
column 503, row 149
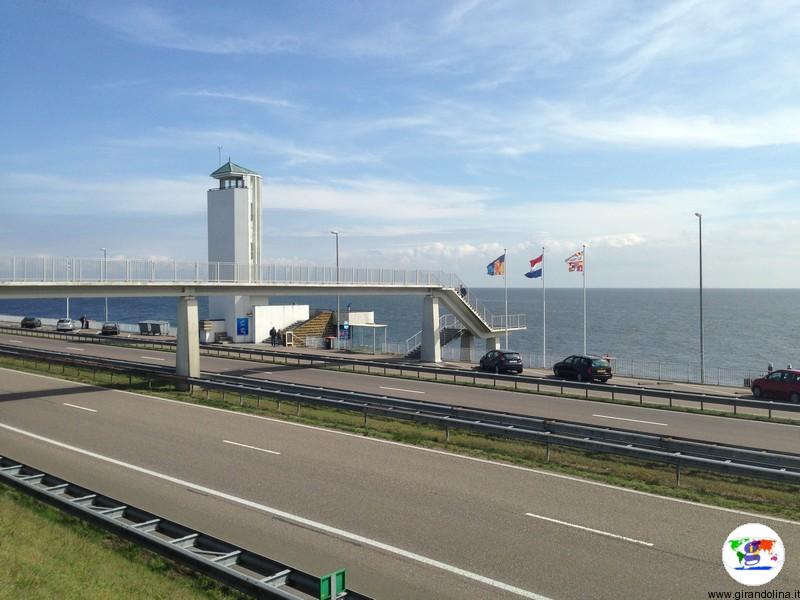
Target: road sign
column 346, row 325
column 242, row 326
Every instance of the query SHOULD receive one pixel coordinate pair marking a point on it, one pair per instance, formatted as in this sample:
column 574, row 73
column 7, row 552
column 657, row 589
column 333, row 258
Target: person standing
column 273, row 334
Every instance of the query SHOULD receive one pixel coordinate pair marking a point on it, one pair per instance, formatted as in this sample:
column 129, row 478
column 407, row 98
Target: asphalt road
column 409, row 522
column 756, row 434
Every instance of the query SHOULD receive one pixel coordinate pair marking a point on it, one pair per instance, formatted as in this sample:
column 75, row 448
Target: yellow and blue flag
column 497, row 266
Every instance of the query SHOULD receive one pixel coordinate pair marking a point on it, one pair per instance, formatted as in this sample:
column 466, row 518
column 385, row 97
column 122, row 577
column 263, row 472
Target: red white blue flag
column 536, row 267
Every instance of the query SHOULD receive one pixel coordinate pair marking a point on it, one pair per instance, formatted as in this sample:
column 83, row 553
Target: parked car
column 30, row 323
column 783, row 384
column 583, row 368
column 65, row 325
column 110, row 329
column 501, row 361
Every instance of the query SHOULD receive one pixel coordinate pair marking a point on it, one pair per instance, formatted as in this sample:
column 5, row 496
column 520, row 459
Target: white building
column 234, row 241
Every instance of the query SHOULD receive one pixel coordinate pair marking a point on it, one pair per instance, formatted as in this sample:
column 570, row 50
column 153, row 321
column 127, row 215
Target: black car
column 30, row 323
column 110, row 329
column 501, row 361
column 584, row 368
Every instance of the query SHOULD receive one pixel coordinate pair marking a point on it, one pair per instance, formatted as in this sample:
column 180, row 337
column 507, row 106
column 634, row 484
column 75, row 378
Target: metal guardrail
column 679, row 452
column 246, row 571
column 445, row 375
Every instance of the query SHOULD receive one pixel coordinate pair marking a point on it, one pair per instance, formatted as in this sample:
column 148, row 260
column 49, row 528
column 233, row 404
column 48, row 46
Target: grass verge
column 741, row 493
column 46, row 554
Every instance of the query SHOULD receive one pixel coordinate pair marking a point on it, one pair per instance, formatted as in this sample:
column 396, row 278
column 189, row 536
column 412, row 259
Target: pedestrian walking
column 82, row 320
column 272, row 335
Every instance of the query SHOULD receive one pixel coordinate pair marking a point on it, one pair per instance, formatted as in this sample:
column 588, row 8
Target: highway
column 406, row 522
column 757, row 434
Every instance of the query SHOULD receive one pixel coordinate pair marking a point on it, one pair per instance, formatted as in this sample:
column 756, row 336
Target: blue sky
column 431, row 134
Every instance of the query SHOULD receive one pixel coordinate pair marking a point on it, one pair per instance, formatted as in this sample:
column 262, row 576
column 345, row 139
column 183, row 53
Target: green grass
column 46, row 554
column 754, row 495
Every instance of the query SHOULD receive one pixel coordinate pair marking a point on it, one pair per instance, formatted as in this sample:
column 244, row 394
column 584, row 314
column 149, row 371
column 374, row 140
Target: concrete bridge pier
column 492, row 343
column 187, row 350
column 467, row 344
column 431, row 350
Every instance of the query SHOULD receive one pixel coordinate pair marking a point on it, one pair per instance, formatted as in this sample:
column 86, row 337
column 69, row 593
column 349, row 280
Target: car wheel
column 603, row 380
column 757, row 392
column 795, row 397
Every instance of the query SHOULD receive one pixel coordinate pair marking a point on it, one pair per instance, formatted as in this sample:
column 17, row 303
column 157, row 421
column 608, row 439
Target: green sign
column 331, row 586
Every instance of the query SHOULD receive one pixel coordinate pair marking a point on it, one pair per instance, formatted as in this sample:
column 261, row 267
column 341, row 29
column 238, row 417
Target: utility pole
column 338, row 332
column 702, row 349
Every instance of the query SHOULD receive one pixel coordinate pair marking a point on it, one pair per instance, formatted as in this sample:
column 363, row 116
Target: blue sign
column 242, row 326
column 346, row 325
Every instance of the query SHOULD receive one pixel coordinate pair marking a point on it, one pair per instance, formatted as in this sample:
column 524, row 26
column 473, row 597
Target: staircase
column 320, row 325
column 449, row 329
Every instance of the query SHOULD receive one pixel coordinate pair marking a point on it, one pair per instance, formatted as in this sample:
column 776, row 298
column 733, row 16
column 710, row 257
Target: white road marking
column 483, row 461
column 632, row 420
column 289, row 517
column 383, row 387
column 81, row 407
column 16, row 341
column 251, row 447
column 598, row 531
column 152, row 358
column 77, row 349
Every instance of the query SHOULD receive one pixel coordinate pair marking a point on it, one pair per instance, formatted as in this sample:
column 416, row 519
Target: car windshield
column 600, row 363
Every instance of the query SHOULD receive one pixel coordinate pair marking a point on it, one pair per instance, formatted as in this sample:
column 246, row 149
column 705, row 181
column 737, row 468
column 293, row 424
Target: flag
column 575, row 262
column 536, row 267
column 497, row 266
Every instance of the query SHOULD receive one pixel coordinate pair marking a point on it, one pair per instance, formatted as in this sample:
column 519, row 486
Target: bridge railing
column 139, row 270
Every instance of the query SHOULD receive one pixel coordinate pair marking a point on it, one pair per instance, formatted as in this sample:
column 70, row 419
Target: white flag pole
column 584, row 298
column 544, row 317
column 505, row 280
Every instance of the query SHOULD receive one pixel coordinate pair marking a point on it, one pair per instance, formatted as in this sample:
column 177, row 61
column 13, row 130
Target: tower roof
column 230, row 168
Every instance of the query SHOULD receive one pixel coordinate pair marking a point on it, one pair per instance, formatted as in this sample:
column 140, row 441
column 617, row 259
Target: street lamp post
column 338, row 332
column 702, row 349
column 105, row 274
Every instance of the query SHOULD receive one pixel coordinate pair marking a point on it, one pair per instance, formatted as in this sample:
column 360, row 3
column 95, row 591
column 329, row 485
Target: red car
column 781, row 385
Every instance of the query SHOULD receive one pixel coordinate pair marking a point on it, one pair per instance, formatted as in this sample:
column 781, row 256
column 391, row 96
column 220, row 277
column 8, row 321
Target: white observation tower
column 234, row 237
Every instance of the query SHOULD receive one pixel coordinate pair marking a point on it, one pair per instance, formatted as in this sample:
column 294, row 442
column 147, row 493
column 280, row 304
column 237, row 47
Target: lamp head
column 698, row 215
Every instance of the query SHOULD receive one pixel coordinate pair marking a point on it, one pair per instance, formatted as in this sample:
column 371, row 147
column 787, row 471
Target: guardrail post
column 547, row 450
column 677, row 474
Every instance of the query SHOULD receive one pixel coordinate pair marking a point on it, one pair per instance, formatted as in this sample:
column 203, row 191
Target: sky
column 432, row 135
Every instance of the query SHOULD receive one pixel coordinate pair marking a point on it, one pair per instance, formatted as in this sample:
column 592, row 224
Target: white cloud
column 249, row 98
column 378, row 200
column 223, row 34
column 249, row 142
column 695, row 131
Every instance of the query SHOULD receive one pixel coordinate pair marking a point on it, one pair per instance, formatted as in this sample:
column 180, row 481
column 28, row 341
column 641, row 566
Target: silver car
column 65, row 325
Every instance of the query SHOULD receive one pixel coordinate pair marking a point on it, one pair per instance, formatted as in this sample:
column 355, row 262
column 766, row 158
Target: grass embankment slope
column 47, row 554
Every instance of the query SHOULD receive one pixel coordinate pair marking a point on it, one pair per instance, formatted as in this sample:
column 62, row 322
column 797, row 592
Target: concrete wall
column 279, row 317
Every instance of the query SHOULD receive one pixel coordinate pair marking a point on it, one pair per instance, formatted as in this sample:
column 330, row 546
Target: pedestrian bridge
column 60, row 277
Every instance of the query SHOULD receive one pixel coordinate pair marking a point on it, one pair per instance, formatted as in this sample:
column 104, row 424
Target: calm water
column 743, row 328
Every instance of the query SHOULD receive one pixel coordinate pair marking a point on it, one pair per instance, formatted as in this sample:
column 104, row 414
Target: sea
column 743, row 328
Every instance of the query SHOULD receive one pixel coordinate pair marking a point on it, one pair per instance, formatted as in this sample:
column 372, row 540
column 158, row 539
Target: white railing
column 66, row 269
column 138, row 270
